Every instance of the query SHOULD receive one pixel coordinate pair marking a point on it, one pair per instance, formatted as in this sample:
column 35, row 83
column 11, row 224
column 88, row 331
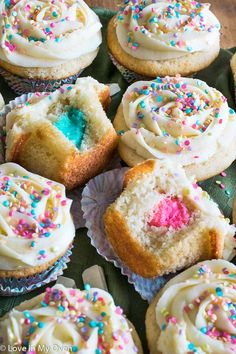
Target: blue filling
column 72, row 124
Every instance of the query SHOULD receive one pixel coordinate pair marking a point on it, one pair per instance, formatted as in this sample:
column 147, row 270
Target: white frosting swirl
column 35, row 221
column 161, row 30
column 43, row 33
column 178, row 118
column 68, row 321
column 197, row 310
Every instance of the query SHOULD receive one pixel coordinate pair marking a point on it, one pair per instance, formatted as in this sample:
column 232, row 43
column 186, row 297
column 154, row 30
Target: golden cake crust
column 61, row 71
column 30, row 271
column 140, row 260
column 185, row 65
column 234, row 211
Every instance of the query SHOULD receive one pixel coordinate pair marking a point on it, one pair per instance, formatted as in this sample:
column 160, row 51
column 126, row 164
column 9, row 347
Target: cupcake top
column 168, row 29
column 35, row 222
column 178, row 118
column 68, row 321
column 196, row 311
column 44, row 33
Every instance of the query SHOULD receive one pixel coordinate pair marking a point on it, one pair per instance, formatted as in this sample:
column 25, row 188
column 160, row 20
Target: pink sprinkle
column 58, row 196
column 223, row 174
column 26, row 32
column 63, row 202
column 222, row 186
column 119, row 311
column 115, row 337
column 187, row 142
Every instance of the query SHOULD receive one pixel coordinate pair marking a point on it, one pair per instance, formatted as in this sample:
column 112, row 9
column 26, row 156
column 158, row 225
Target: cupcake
column 36, row 226
column 181, row 119
column 46, row 43
column 69, row 321
column 150, row 38
column 195, row 312
column 65, row 136
column 163, row 222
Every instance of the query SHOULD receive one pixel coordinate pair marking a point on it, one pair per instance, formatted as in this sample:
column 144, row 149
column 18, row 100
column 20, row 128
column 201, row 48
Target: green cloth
column 84, row 255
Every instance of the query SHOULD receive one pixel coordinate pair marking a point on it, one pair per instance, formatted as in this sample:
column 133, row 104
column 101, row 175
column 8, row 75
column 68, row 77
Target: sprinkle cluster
column 74, row 309
column 218, row 299
column 188, row 16
column 27, row 217
column 42, row 21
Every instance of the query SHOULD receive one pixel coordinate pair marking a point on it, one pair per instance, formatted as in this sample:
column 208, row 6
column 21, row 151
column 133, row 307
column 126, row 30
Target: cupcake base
column 13, row 286
column 21, row 85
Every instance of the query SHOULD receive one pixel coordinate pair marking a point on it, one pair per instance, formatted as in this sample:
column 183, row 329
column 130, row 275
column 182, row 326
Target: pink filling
column 170, row 212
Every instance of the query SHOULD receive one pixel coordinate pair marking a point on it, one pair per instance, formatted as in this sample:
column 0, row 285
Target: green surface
column 72, row 124
column 84, row 255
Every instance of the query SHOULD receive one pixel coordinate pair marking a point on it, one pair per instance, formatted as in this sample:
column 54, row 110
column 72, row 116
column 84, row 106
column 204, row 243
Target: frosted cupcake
column 46, row 43
column 36, row 227
column 157, row 38
column 181, row 119
column 195, row 312
column 69, row 321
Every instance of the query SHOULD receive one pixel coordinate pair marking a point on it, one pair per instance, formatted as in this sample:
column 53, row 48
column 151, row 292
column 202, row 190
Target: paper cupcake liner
column 23, row 85
column 129, row 76
column 15, row 287
column 98, row 194
column 75, row 194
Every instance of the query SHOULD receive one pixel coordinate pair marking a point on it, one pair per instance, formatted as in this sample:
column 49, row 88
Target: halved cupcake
column 163, row 221
column 65, row 136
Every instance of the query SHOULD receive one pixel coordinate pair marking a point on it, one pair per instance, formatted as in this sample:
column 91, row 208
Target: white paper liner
column 129, row 76
column 16, row 287
column 23, row 85
column 75, row 194
column 98, row 194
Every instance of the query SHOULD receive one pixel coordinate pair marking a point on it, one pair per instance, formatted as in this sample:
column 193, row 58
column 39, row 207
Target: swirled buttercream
column 35, row 221
column 197, row 309
column 68, row 321
column 43, row 33
column 162, row 30
column 181, row 119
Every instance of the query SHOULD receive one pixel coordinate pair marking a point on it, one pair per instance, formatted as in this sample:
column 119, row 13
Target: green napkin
column 84, row 255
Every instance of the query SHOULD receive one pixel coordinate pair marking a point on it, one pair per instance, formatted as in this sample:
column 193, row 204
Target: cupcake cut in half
column 195, row 312
column 70, row 321
column 65, row 136
column 181, row 119
column 152, row 38
column 36, row 227
column 163, row 222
